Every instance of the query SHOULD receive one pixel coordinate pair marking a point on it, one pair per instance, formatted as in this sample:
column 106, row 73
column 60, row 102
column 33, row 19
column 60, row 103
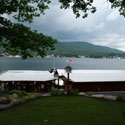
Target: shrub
column 73, row 92
column 5, row 91
column 61, row 92
column 119, row 97
column 56, row 92
column 19, row 93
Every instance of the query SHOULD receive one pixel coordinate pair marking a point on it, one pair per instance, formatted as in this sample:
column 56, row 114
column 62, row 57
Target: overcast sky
column 105, row 27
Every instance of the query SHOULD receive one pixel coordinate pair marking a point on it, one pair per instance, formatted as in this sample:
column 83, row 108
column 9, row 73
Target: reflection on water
column 48, row 63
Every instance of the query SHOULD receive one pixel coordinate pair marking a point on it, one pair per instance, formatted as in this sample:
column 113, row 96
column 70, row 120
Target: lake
column 13, row 63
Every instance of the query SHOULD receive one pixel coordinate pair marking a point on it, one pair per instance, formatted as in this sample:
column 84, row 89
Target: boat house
column 82, row 80
column 95, row 80
column 30, row 81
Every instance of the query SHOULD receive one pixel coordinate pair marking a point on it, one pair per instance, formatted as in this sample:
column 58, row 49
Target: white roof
column 26, row 75
column 94, row 75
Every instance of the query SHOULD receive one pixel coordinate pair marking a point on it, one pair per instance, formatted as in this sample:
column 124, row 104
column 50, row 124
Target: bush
column 73, row 92
column 61, row 92
column 119, row 97
column 19, row 93
column 5, row 91
column 56, row 92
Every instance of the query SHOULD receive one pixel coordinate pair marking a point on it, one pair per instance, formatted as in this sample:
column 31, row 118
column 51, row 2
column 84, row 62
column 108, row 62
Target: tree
column 84, row 7
column 17, row 38
column 20, row 39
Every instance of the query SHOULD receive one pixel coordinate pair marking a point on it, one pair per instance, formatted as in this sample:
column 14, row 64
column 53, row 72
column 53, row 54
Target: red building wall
column 99, row 86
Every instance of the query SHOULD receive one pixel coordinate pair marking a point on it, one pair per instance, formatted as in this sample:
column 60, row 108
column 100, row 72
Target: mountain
column 78, row 48
column 84, row 49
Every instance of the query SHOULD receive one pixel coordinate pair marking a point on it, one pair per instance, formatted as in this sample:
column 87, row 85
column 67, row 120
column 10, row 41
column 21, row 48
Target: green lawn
column 67, row 110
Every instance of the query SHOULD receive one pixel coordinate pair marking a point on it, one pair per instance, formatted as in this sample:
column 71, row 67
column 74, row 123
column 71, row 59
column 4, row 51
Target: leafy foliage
column 84, row 7
column 73, row 92
column 24, row 10
column 118, row 4
column 79, row 6
column 17, row 38
column 119, row 97
column 21, row 40
column 56, row 92
column 19, row 93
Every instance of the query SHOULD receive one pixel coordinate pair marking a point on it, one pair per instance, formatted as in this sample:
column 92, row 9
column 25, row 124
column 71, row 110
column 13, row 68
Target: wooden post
column 68, row 84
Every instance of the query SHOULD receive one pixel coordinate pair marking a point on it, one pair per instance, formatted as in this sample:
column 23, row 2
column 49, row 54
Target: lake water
column 48, row 63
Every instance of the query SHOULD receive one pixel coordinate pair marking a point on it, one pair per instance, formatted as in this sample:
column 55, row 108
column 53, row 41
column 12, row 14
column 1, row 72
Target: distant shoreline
column 50, row 56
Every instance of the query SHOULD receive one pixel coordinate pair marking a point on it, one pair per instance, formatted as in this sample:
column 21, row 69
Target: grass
column 65, row 110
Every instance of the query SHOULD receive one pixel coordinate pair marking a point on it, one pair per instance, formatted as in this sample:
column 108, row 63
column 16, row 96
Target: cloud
column 113, row 16
column 111, row 40
column 121, row 48
column 105, row 27
column 100, row 26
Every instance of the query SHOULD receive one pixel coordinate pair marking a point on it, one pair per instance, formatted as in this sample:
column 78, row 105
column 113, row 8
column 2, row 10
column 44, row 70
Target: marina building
column 27, row 80
column 94, row 80
column 82, row 80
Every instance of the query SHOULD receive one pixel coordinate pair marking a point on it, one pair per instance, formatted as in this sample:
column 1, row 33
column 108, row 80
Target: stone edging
column 16, row 101
column 100, row 96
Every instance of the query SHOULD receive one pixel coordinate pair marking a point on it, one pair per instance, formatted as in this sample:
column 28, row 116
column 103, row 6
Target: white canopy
column 26, row 75
column 94, row 75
